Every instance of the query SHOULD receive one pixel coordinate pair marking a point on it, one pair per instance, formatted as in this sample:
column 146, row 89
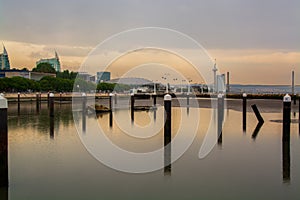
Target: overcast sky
column 256, row 31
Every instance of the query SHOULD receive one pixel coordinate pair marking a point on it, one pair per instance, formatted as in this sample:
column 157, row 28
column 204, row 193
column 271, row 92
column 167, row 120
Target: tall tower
column 215, row 76
column 57, row 64
column 4, row 61
column 54, row 62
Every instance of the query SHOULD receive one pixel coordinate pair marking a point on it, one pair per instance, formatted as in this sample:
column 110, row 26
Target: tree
column 44, row 67
column 66, row 75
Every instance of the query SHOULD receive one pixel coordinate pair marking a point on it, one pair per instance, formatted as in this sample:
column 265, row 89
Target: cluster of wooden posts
column 167, row 126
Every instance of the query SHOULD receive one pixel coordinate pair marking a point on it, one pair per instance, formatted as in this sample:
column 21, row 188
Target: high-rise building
column 103, row 76
column 4, row 61
column 54, row 62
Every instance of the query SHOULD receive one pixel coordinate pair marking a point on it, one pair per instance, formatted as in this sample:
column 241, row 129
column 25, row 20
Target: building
column 103, row 76
column 4, row 61
column 54, row 62
column 25, row 74
column 85, row 76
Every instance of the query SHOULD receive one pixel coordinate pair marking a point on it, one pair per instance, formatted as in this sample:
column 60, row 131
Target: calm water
column 45, row 165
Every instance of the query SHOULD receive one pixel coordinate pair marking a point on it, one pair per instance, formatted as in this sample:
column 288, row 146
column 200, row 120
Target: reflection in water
column 132, row 115
column 18, row 108
column 51, row 127
column 167, row 159
column 30, row 143
column 37, row 107
column 110, row 118
column 84, row 100
column 3, row 193
column 257, row 129
column 220, row 120
column 286, row 162
column 3, row 149
column 28, row 118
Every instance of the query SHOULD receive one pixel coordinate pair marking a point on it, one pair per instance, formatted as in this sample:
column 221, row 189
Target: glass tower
column 4, row 61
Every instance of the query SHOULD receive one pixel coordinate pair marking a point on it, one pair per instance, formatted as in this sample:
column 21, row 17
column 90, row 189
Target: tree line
column 65, row 81
column 56, row 84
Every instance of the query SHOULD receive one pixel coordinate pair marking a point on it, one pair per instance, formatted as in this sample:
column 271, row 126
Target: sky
column 257, row 41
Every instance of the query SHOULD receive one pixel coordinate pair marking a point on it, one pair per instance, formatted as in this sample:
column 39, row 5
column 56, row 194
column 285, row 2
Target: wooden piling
column 220, row 117
column 84, row 101
column 286, row 125
column 132, row 107
column 257, row 114
column 37, row 99
column 19, row 98
column 244, row 111
column 48, row 99
column 51, row 101
column 168, row 119
column 154, row 99
column 110, row 101
column 18, row 103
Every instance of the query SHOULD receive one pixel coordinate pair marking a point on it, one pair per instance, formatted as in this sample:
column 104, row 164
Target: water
column 46, row 166
column 263, row 89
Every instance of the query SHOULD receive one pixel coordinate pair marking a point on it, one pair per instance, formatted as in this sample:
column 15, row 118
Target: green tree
column 66, row 75
column 44, row 67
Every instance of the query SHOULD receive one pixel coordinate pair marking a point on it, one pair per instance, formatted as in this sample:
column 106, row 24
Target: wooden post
column 18, row 103
column 18, row 97
column 60, row 94
column 37, row 99
column 154, row 99
column 84, row 99
column 110, row 101
column 257, row 114
column 51, row 110
column 220, row 117
column 167, row 133
column 286, row 160
column 168, row 120
column 3, row 143
column 286, row 125
column 244, row 111
column 132, row 106
column 48, row 99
